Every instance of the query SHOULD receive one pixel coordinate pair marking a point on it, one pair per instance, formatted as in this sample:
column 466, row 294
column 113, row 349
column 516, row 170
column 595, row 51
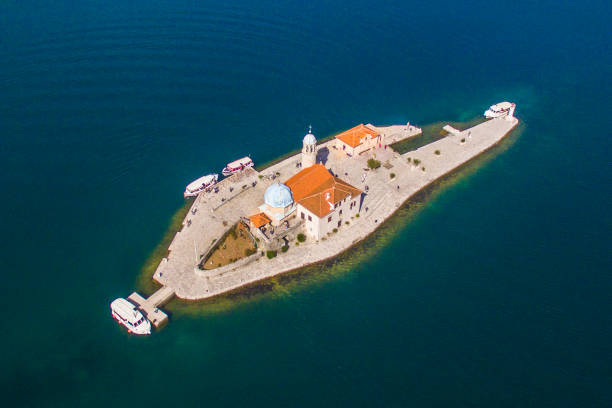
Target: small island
column 306, row 208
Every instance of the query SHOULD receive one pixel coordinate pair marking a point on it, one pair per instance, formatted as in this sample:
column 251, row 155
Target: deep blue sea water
column 496, row 293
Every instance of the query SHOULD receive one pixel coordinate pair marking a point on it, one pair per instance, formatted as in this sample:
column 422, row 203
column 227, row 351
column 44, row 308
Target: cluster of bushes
column 373, row 164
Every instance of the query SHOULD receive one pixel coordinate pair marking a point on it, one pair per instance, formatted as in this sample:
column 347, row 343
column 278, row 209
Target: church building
column 324, row 202
column 320, row 200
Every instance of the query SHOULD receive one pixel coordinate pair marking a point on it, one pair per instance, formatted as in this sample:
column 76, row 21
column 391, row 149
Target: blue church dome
column 278, row 196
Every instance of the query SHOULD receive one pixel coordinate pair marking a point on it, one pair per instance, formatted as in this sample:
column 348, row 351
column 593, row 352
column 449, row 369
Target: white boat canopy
column 204, row 180
column 502, row 106
column 239, row 163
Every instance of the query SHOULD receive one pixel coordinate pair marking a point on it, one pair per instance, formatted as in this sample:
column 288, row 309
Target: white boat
column 500, row 109
column 126, row 314
column 237, row 165
column 199, row 185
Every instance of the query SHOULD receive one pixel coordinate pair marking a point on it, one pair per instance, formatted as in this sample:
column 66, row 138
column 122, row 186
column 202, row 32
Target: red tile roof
column 355, row 136
column 318, row 190
column 259, row 220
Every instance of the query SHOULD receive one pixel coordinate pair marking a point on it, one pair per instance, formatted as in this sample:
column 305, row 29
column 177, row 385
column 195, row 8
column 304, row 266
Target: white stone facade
column 318, row 227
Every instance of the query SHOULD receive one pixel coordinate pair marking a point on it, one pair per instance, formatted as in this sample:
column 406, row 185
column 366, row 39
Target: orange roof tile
column 259, row 219
column 354, row 136
column 311, row 186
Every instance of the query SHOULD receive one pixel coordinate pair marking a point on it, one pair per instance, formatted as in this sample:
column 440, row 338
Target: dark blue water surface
column 497, row 293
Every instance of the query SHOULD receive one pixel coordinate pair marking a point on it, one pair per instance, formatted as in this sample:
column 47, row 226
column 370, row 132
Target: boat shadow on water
column 330, row 269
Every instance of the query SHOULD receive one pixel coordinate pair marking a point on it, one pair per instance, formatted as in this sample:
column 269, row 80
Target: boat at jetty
column 199, row 185
column 237, row 165
column 127, row 315
column 500, row 109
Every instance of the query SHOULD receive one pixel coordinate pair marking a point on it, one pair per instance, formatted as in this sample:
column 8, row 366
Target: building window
column 340, row 212
column 303, row 216
column 329, row 219
column 309, row 218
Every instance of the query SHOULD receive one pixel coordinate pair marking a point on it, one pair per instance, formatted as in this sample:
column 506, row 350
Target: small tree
column 335, row 230
column 284, row 248
column 437, row 152
column 301, row 237
column 373, row 164
column 392, row 175
column 270, row 254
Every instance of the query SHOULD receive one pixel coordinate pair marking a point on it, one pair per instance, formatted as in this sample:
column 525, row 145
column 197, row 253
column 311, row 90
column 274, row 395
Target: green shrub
column 335, row 230
column 392, row 175
column 357, row 215
column 284, row 248
column 373, row 164
column 346, row 222
column 270, row 254
column 437, row 152
column 409, row 159
column 463, row 140
column 301, row 237
column 416, row 162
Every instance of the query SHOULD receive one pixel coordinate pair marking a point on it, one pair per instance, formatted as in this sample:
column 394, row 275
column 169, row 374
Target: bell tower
column 309, row 149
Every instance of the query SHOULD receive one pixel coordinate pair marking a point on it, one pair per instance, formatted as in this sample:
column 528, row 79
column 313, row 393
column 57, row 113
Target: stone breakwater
column 400, row 177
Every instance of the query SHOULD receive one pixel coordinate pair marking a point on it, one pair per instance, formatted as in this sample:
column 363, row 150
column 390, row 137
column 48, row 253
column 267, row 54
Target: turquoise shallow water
column 496, row 293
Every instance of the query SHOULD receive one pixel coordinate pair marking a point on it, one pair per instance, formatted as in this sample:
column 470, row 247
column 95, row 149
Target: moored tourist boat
column 237, row 165
column 500, row 109
column 127, row 315
column 199, row 185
